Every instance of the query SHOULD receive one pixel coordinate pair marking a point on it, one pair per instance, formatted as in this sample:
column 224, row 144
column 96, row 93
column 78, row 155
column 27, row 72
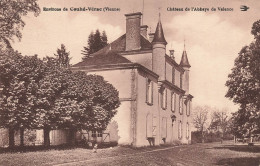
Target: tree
column 200, row 118
column 239, row 118
column 95, row 103
column 19, row 76
column 95, row 43
column 63, row 56
column 244, row 85
column 11, row 12
column 220, row 122
column 40, row 94
column 89, row 49
column 104, row 39
column 74, row 101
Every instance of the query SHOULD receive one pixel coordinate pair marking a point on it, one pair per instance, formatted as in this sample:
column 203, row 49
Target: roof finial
column 159, row 13
column 158, row 35
column 184, row 44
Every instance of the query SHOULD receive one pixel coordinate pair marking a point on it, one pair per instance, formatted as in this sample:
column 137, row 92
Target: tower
column 186, row 66
column 159, row 49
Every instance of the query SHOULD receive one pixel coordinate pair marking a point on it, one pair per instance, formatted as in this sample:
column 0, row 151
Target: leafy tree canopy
column 244, row 86
column 96, row 41
column 41, row 94
column 11, row 12
column 63, row 56
column 20, row 77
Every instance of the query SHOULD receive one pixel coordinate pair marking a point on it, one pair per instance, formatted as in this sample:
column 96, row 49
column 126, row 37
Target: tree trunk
column 250, row 136
column 21, row 137
column 11, row 138
column 46, row 133
column 202, row 136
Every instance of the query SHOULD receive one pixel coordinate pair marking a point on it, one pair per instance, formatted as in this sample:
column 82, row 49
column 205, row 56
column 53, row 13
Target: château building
column 153, row 88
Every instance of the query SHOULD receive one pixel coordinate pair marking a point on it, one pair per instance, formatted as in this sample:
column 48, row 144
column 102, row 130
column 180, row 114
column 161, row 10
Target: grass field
column 186, row 155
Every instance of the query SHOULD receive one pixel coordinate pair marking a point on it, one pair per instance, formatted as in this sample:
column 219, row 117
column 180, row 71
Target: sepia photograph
column 137, row 82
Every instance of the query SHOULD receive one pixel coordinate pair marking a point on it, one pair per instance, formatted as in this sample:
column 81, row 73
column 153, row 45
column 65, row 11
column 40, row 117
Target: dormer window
column 164, row 98
column 149, row 92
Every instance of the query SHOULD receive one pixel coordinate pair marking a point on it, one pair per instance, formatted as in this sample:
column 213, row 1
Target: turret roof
column 184, row 60
column 159, row 36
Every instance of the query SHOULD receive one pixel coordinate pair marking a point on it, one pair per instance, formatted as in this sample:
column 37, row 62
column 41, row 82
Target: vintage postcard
column 138, row 82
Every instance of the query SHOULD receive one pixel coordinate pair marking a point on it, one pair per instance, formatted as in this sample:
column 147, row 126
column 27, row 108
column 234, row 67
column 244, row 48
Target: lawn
column 197, row 154
column 57, row 155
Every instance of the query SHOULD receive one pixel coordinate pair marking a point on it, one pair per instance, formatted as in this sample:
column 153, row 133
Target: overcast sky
column 213, row 39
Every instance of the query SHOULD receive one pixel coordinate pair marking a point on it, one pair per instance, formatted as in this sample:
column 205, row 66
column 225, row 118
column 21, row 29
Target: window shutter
column 147, row 82
column 151, row 92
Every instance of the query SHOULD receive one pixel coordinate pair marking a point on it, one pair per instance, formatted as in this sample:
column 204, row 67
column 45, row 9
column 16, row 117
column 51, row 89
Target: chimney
column 151, row 36
column 172, row 54
column 133, row 22
column 144, row 30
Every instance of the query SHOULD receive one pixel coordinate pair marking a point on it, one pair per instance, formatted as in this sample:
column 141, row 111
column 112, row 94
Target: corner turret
column 184, row 59
column 186, row 66
column 159, row 50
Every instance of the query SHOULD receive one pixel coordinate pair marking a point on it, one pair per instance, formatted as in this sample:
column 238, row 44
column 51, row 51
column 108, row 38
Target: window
column 149, row 125
column 149, row 92
column 173, row 75
column 154, row 126
column 180, row 105
column 164, row 127
column 188, row 130
column 164, row 98
column 180, row 130
column 181, row 75
column 173, row 102
column 188, row 108
column 99, row 134
column 96, row 133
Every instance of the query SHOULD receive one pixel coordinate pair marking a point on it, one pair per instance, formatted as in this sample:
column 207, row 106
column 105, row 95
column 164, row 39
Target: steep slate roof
column 184, row 60
column 159, row 36
column 108, row 54
column 109, row 57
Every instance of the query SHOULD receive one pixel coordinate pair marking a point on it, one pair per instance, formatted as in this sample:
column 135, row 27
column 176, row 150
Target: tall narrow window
column 154, row 126
column 149, row 125
column 188, row 108
column 188, row 130
column 181, row 75
column 164, row 98
column 173, row 75
column 149, row 92
column 180, row 105
column 180, row 130
column 164, row 127
column 173, row 102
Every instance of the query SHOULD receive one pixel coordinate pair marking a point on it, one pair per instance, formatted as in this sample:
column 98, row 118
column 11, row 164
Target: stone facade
column 153, row 88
